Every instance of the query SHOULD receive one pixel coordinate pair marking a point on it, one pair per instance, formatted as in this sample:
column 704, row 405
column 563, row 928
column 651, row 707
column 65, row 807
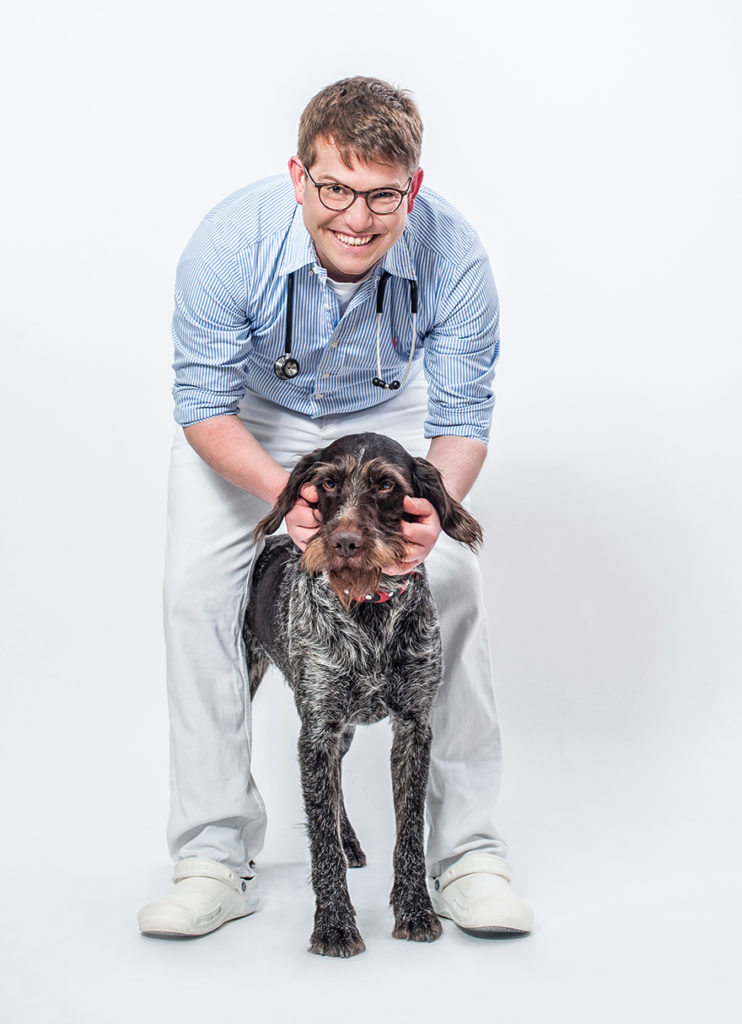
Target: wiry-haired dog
column 355, row 646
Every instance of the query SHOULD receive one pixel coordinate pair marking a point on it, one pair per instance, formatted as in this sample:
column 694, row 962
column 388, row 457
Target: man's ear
column 298, row 177
column 417, row 180
column 455, row 520
column 300, row 475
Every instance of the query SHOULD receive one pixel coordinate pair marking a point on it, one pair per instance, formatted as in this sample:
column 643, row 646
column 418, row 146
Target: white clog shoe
column 206, row 894
column 474, row 892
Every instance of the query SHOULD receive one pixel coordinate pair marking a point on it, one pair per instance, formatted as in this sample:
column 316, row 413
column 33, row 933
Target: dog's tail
column 257, row 659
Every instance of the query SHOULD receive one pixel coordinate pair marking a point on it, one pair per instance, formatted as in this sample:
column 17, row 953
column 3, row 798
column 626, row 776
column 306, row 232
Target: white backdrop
column 596, row 148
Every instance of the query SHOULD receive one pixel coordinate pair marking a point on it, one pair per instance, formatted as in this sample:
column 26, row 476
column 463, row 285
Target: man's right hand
column 302, row 522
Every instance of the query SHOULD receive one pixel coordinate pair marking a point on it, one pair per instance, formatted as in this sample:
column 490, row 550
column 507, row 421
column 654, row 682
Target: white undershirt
column 345, row 290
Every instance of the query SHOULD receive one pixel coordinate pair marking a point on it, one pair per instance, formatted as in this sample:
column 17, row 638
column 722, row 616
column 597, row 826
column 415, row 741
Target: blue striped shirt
column 230, row 316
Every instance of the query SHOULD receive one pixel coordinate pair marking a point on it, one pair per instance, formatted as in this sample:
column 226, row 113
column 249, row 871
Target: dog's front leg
column 414, row 917
column 335, row 932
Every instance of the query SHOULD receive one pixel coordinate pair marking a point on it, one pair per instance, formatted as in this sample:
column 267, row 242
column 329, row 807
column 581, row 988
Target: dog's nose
column 347, row 543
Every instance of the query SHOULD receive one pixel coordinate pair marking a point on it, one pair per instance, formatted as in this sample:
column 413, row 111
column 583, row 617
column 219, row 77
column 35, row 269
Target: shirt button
column 325, row 376
column 334, row 344
column 327, row 308
column 318, row 395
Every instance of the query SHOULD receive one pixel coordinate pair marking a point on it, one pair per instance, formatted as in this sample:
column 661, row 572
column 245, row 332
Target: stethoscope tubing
column 286, row 367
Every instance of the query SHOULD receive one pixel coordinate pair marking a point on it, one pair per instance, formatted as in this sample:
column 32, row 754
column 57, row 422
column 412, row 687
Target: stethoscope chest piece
column 286, row 367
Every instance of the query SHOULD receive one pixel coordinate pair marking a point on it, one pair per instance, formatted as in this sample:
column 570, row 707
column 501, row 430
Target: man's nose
column 358, row 217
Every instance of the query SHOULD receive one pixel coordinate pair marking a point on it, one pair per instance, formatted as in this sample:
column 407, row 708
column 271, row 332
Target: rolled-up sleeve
column 461, row 351
column 211, row 333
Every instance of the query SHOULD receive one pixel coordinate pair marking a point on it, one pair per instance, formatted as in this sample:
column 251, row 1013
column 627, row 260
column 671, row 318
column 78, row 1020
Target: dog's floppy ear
column 301, row 473
column 455, row 520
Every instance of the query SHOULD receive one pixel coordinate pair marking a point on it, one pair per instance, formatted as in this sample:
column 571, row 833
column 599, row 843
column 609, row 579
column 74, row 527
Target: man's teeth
column 354, row 239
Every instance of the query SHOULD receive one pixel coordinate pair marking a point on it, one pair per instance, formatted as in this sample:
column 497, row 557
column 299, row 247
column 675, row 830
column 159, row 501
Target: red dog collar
column 384, row 595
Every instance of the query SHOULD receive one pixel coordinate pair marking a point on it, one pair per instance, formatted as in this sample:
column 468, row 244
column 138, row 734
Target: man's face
column 349, row 242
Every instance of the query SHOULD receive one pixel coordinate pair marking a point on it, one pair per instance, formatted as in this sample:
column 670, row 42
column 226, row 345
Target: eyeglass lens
column 337, row 197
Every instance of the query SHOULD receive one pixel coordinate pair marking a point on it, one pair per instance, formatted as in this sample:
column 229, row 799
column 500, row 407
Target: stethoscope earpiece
column 286, row 367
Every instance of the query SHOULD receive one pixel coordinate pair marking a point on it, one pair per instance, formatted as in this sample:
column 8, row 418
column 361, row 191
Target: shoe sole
column 165, row 933
column 493, row 933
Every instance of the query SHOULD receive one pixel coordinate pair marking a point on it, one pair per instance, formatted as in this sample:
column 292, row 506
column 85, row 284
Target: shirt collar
column 299, row 252
column 299, row 248
column 398, row 260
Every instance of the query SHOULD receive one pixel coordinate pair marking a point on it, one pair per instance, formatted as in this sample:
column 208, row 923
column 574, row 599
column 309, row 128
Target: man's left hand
column 420, row 535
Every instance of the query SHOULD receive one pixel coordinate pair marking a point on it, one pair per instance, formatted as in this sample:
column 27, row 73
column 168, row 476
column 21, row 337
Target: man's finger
column 418, row 506
column 401, row 568
column 305, row 516
column 423, row 534
column 309, row 493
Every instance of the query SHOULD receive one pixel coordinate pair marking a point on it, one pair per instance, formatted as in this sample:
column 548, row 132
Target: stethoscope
column 286, row 367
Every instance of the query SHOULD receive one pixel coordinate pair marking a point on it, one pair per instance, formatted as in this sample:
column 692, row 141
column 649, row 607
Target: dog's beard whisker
column 353, row 585
column 389, row 551
column 314, row 558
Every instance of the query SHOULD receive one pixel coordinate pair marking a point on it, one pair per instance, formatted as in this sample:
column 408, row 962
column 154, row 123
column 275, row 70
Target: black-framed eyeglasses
column 340, row 197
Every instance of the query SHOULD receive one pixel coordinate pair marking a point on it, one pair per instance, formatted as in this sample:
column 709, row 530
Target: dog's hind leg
column 414, row 917
column 352, row 848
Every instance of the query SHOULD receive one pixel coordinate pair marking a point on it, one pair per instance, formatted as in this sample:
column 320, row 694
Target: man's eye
column 336, row 190
column 329, row 484
column 385, row 485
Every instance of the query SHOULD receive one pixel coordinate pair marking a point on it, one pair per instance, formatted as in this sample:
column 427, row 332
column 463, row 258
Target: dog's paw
column 419, row 926
column 336, row 940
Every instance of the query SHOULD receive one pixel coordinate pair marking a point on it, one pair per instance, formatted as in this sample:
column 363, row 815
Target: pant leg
column 216, row 808
column 466, row 754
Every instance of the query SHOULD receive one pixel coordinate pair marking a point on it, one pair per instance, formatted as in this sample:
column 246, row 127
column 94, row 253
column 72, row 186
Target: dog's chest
column 344, row 667
column 338, row 698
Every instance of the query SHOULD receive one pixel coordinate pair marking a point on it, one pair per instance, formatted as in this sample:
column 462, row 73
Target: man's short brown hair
column 365, row 119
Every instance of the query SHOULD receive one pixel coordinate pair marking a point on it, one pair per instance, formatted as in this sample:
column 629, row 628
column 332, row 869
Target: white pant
column 216, row 809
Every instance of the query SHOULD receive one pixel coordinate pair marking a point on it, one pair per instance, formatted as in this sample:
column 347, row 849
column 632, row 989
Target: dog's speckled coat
column 350, row 660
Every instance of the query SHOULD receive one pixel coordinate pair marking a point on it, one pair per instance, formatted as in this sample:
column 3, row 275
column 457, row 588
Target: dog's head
column 361, row 481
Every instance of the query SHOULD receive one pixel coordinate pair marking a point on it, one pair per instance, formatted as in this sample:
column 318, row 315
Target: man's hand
column 420, row 535
column 302, row 522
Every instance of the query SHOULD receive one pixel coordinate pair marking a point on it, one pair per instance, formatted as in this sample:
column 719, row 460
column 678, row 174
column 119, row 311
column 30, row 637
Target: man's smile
column 354, row 240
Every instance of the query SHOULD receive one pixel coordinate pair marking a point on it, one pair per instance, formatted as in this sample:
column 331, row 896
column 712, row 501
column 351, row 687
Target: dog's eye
column 329, row 484
column 385, row 485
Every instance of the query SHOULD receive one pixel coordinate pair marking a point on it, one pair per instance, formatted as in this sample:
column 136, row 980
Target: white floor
column 641, row 949
column 635, row 922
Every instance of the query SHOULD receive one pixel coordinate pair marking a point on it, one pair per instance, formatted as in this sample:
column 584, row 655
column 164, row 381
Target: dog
column 356, row 646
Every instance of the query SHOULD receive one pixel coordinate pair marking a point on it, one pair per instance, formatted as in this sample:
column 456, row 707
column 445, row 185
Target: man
column 338, row 300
